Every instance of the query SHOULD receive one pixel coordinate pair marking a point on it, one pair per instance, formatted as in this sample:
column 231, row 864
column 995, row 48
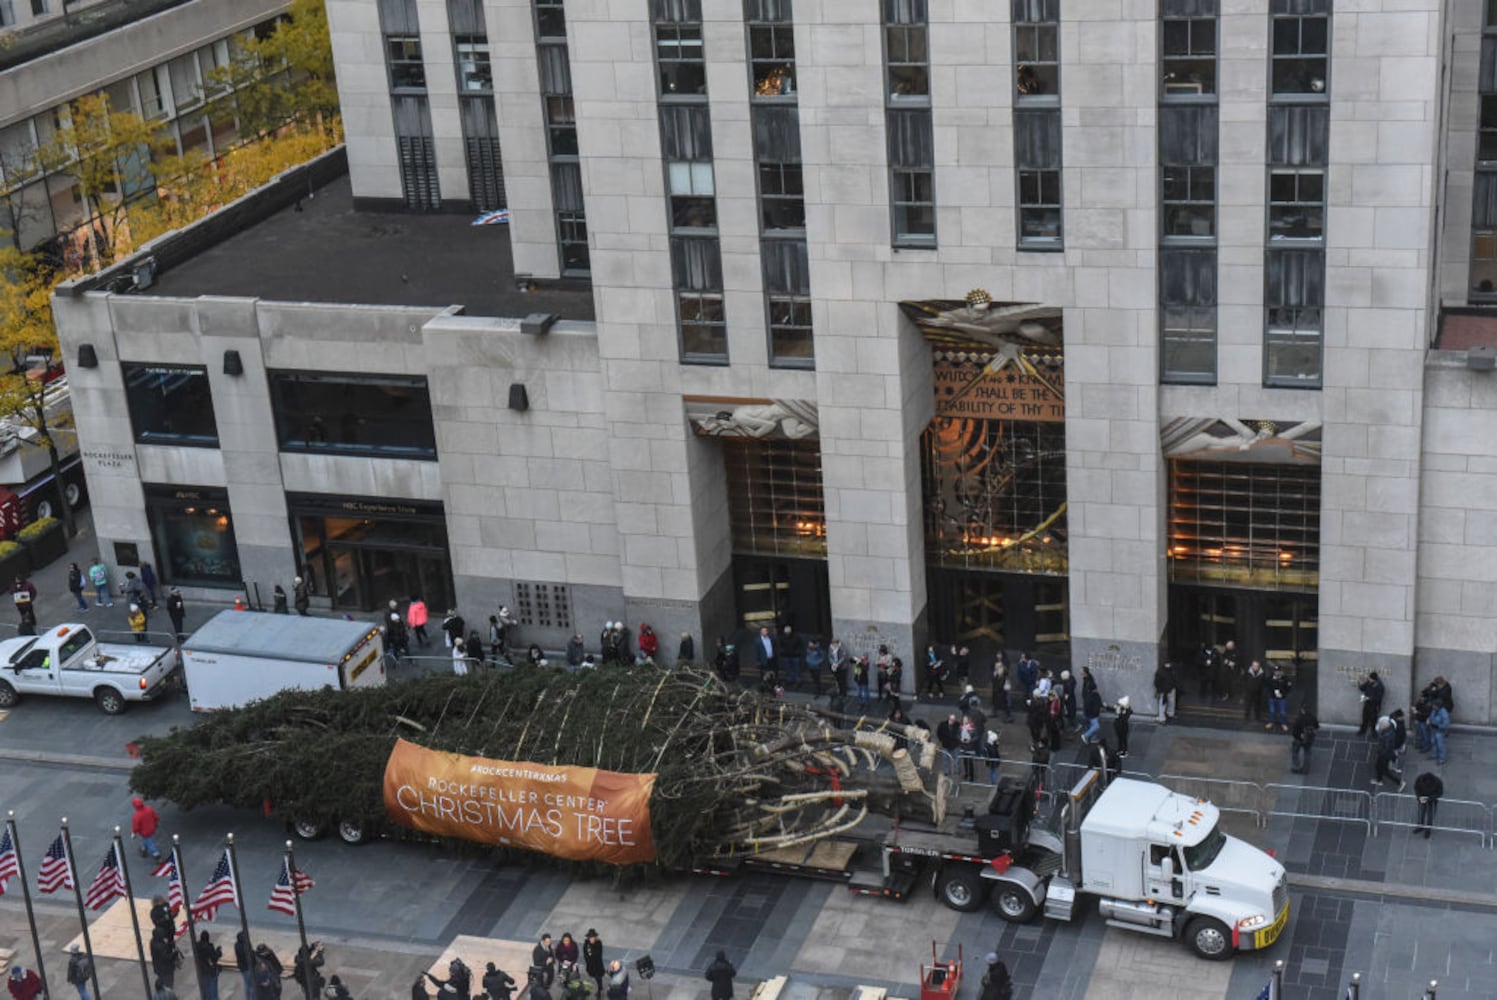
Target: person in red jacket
column 143, row 825
column 649, row 643
column 415, row 617
column 24, row 984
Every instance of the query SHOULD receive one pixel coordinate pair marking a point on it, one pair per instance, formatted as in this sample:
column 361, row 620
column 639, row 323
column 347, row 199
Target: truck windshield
column 18, row 654
column 1199, row 857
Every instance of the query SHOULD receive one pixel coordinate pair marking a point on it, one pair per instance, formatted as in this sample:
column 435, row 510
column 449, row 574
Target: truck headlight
column 1252, row 923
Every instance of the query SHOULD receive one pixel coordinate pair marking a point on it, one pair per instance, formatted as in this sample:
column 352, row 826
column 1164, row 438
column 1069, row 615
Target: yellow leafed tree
column 26, row 332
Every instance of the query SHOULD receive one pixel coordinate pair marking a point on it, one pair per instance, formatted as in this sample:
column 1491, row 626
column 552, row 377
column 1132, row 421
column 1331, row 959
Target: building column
column 522, row 136
column 1114, row 471
column 1379, row 235
column 364, row 98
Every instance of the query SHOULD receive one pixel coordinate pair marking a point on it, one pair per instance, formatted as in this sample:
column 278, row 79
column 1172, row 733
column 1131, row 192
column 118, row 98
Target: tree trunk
column 64, row 508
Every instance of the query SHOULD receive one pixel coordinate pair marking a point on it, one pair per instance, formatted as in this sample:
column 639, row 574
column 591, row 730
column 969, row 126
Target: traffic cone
column 239, row 602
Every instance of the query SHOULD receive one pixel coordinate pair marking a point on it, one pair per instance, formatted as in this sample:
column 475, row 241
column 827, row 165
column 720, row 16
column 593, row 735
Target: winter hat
column 967, row 689
column 1065, row 675
column 1123, row 702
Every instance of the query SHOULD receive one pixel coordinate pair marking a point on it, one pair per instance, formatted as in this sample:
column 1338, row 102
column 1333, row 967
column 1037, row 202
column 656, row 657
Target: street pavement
column 1398, row 909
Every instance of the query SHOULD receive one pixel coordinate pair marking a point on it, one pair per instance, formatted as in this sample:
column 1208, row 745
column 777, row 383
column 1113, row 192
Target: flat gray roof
column 288, row 637
column 328, row 252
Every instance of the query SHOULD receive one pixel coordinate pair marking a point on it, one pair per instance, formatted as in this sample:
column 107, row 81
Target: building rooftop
column 322, row 250
column 76, row 23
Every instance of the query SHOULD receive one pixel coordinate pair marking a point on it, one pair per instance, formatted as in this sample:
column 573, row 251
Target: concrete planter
column 44, row 548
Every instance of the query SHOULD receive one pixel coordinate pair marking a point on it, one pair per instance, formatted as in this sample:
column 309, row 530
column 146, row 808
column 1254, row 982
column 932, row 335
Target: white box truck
column 242, row 656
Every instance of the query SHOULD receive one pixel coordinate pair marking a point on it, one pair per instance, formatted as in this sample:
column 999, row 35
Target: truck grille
column 1280, row 896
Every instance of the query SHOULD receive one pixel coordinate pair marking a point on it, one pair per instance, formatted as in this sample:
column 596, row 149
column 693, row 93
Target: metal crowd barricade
column 1228, row 796
column 1346, row 805
column 1460, row 816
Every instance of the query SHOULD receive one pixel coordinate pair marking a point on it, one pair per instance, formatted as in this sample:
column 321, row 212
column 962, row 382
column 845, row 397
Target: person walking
column 1003, row 686
column 396, row 635
column 1386, row 752
column 720, row 974
column 23, row 593
column 1372, row 704
column 143, row 825
column 300, row 597
column 997, row 984
column 592, row 958
column 80, row 970
column 177, row 611
column 767, row 654
column 497, row 983
column 1122, row 724
column 1252, row 692
column 98, row 575
column 576, row 650
column 134, row 590
column 148, row 579
column 792, row 654
column 24, row 984
column 860, row 670
column 1091, row 708
column 76, row 583
column 1278, row 687
column 138, row 622
column 209, row 959
column 1428, row 788
column 1302, row 738
column 453, row 628
column 280, row 604
column 1165, row 687
column 416, row 617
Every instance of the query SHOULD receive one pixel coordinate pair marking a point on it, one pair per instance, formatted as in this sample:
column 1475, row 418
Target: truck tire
column 309, row 829
column 961, row 888
column 1013, row 904
column 351, row 832
column 8, row 696
column 44, row 509
column 73, row 494
column 110, row 700
column 1209, row 939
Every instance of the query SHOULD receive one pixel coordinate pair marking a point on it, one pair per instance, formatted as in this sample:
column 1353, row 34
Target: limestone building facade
column 1113, row 330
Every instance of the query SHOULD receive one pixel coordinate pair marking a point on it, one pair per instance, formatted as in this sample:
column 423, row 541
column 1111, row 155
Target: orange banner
column 578, row 813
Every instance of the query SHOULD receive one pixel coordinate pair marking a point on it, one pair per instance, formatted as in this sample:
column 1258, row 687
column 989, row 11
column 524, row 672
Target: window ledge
column 793, row 364
column 907, row 244
column 705, row 360
column 1041, row 246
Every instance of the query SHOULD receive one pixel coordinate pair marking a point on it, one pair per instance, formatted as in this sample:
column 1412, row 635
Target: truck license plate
column 1270, row 934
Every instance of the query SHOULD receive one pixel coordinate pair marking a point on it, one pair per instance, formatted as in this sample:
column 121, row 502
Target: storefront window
column 170, row 404
column 193, row 533
column 382, row 415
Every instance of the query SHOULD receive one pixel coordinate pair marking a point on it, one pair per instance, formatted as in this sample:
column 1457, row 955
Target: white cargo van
column 242, row 656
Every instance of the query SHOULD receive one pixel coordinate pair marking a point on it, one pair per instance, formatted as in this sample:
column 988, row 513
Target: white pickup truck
column 65, row 660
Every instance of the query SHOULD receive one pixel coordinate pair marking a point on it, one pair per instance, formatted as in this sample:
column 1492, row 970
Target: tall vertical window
column 907, row 120
column 1298, row 137
column 1484, row 194
column 414, row 145
column 691, row 198
column 475, row 85
column 1188, row 160
column 554, row 63
column 1037, row 143
column 782, row 203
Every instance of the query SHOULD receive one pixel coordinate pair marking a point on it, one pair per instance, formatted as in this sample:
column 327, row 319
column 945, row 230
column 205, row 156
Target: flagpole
column 192, row 934
column 88, row 944
column 249, row 946
column 140, row 948
column 36, row 941
column 301, row 925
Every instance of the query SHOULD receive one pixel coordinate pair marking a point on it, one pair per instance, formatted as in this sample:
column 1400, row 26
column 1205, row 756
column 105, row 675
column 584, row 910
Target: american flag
column 55, row 873
column 282, row 900
column 174, row 895
column 217, row 892
column 10, row 865
column 109, row 884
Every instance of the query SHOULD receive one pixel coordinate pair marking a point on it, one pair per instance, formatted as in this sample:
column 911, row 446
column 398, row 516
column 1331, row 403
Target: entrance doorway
column 777, row 592
column 361, row 553
column 992, row 611
column 1274, row 627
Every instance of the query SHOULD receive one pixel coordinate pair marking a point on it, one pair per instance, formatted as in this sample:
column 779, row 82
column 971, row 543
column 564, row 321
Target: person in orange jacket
column 415, row 617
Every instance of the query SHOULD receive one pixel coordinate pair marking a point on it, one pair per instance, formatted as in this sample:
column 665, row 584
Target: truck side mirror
column 1167, row 866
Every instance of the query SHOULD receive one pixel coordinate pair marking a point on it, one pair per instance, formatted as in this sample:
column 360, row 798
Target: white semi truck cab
column 1156, row 862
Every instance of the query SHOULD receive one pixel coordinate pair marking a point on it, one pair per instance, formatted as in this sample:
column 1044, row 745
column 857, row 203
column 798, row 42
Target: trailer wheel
column 1209, row 939
column 110, row 700
column 350, row 832
column 309, row 829
column 73, row 494
column 1013, row 904
column 8, row 696
column 960, row 888
column 43, row 509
